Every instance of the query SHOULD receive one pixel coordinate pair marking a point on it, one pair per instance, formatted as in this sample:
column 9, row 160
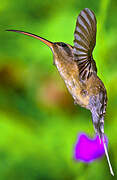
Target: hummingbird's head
column 62, row 50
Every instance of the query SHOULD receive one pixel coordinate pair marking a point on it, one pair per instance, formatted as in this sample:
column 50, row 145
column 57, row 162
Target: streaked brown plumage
column 78, row 70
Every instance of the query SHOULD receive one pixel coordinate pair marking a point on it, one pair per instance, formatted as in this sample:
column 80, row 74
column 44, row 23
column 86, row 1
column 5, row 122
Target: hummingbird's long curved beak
column 48, row 43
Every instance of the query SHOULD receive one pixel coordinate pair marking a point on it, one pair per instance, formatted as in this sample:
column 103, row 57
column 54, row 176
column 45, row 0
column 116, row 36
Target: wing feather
column 84, row 43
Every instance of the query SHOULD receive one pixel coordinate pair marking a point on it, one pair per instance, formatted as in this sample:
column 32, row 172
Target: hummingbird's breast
column 68, row 70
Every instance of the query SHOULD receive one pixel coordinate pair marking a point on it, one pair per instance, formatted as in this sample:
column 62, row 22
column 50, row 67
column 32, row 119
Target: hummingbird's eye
column 62, row 44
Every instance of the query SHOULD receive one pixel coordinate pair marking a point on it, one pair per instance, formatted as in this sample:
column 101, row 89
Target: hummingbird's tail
column 97, row 107
column 99, row 129
column 100, row 132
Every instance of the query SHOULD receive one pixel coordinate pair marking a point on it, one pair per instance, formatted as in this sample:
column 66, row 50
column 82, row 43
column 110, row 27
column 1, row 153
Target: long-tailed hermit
column 78, row 70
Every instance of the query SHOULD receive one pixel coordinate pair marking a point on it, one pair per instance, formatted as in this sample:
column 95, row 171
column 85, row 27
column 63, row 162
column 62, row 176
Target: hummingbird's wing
column 84, row 43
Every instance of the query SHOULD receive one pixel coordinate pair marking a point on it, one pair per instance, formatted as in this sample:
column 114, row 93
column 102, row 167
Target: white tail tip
column 107, row 156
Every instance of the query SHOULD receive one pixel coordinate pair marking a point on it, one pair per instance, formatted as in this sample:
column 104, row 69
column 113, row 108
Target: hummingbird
column 78, row 69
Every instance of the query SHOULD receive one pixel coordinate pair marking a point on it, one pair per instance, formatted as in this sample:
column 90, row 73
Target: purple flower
column 87, row 149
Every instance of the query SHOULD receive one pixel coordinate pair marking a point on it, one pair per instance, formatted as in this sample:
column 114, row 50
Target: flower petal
column 87, row 149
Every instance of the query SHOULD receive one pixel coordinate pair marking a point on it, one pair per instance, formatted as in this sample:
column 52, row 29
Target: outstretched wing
column 84, row 43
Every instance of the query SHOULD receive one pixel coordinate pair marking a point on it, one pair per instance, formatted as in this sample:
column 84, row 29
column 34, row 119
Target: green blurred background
column 39, row 122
